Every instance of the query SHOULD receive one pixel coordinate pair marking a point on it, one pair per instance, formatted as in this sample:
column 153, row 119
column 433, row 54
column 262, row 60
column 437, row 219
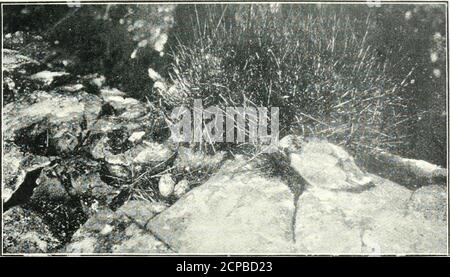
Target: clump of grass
column 314, row 63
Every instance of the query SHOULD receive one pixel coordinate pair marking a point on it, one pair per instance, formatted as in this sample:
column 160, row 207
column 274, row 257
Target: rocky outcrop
column 74, row 160
column 343, row 210
column 13, row 60
column 73, row 147
column 376, row 221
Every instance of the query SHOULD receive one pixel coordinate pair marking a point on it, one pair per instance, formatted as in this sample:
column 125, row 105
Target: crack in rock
column 25, row 189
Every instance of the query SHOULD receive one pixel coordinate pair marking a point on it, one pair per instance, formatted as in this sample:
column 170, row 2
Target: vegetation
column 367, row 77
column 315, row 64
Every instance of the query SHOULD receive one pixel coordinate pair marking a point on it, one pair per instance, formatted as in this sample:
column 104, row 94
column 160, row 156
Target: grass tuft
column 315, row 64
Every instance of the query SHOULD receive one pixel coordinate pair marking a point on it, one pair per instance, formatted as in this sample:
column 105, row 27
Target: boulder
column 236, row 211
column 345, row 210
column 328, row 166
column 24, row 232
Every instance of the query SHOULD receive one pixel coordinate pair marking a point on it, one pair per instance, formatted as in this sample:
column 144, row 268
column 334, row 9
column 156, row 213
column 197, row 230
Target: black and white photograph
column 224, row 128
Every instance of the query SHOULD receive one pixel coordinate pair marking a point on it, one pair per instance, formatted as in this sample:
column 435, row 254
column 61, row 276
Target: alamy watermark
column 230, row 124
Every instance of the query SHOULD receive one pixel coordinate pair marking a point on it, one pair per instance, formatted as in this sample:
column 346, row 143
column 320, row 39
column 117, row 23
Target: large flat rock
column 236, row 211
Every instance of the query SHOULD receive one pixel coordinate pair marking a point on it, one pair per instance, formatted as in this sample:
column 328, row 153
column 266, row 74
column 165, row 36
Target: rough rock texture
column 25, row 232
column 50, row 123
column 12, row 60
column 328, row 166
column 72, row 179
column 141, row 211
column 190, row 160
column 430, row 201
column 374, row 221
column 236, row 211
column 109, row 232
column 343, row 210
column 150, row 153
column 67, row 152
column 16, row 165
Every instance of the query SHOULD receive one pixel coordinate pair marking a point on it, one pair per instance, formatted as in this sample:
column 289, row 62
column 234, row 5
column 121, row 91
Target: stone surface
column 136, row 137
column 430, row 201
column 374, row 221
column 141, row 211
column 328, row 166
column 121, row 103
column 190, row 160
column 16, row 164
column 236, row 211
column 150, row 153
column 124, row 107
column 12, row 60
column 342, row 211
column 50, row 123
column 25, row 232
column 47, row 77
column 181, row 188
column 50, row 188
column 166, row 185
column 109, row 232
column 91, row 187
